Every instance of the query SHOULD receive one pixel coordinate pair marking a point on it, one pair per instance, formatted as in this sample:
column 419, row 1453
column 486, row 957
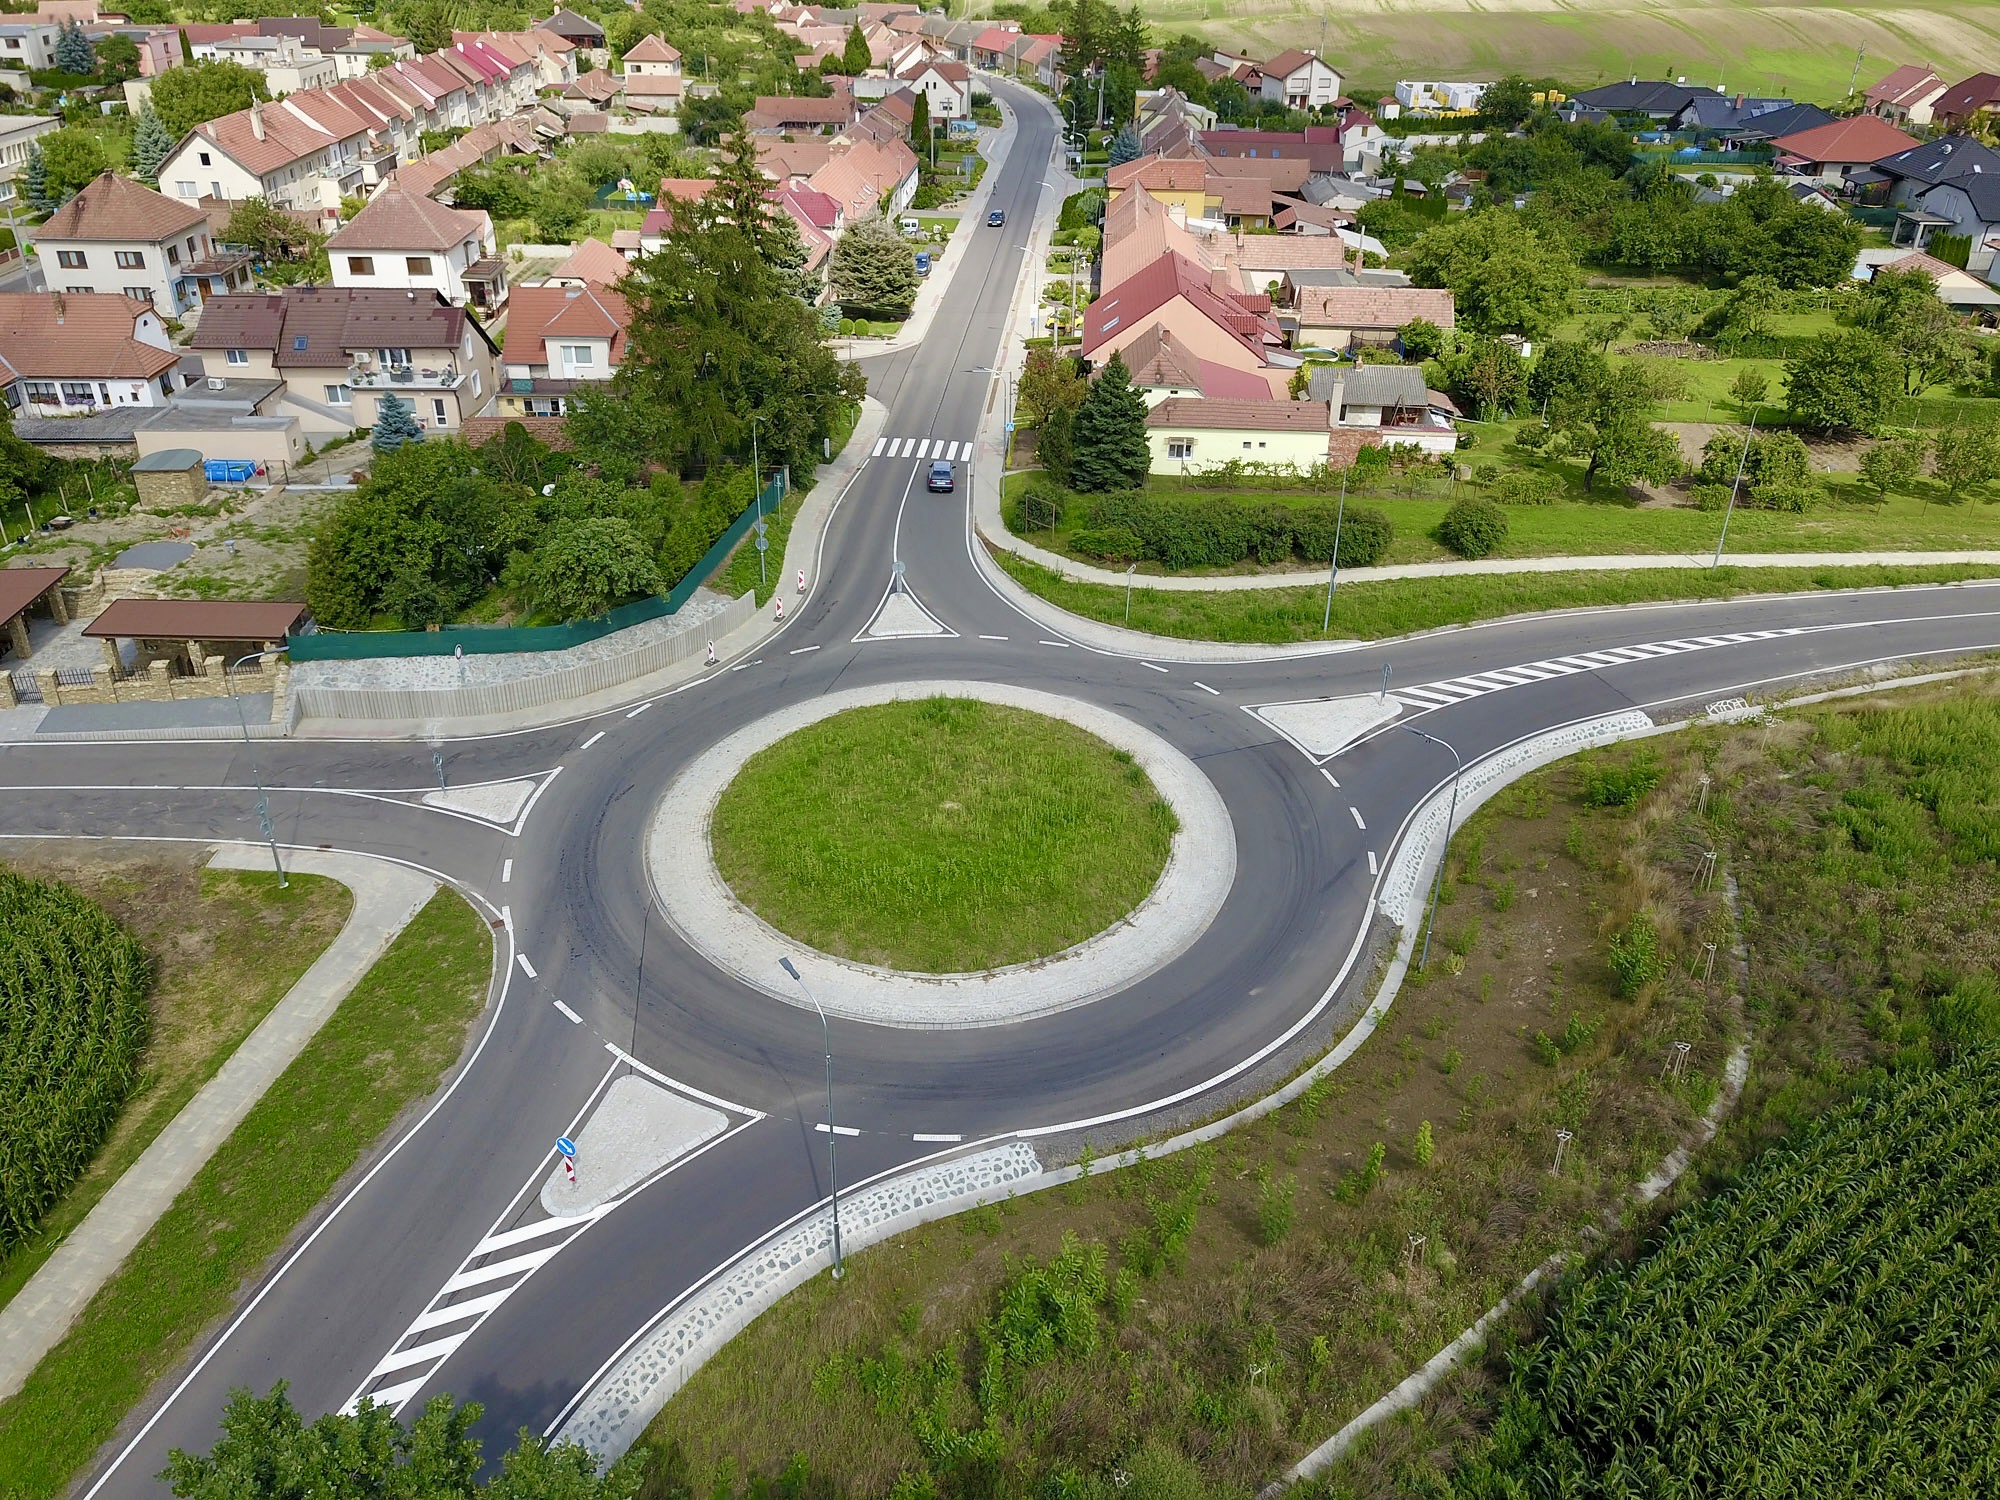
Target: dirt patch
column 1828, row 455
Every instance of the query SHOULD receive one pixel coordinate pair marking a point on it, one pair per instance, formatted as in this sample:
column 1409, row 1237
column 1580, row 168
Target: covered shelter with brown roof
column 190, row 633
column 21, row 590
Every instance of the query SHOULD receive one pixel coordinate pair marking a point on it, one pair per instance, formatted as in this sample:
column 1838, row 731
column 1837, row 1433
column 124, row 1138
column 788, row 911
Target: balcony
column 374, row 377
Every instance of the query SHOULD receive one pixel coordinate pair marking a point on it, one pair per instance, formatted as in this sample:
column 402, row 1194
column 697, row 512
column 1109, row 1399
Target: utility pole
column 1730, row 509
column 1444, row 852
column 263, row 800
column 1855, row 77
column 1326, row 623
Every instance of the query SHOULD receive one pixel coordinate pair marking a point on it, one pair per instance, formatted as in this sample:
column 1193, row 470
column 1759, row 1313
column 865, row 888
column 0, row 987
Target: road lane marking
column 592, row 740
column 403, row 1359
column 506, row 871
column 507, row 918
column 541, row 1229
column 1371, row 861
column 939, row 1139
column 1207, row 689
column 1355, row 813
column 993, row 637
column 639, row 710
column 1329, row 776
column 1063, row 644
column 575, row 1019
column 526, row 967
column 802, row 650
column 472, row 1307
column 821, row 1127
column 500, row 1270
column 396, row 1395
column 1154, row 666
column 880, row 444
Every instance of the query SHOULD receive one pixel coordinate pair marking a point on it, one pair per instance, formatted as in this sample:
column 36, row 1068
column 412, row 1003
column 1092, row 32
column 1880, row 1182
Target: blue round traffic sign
column 567, row 1146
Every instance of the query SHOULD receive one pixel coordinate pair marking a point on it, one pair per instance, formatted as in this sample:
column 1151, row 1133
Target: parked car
column 940, row 481
column 996, row 218
column 923, row 263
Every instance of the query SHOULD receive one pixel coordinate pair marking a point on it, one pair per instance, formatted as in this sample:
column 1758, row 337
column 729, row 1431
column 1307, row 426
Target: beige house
column 560, row 340
column 1202, row 310
column 1192, row 436
column 1346, row 312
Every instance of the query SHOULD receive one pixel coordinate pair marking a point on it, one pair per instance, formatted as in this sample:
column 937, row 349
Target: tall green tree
column 118, row 57
column 395, row 424
column 1505, row 275
column 584, row 568
column 70, row 157
column 1965, row 458
column 186, row 96
column 268, row 1451
column 920, row 125
column 855, row 57
column 73, row 52
column 152, row 144
column 1109, row 434
column 874, row 270
column 1125, row 145
column 35, row 180
column 1607, row 420
column 1048, row 382
column 1926, row 338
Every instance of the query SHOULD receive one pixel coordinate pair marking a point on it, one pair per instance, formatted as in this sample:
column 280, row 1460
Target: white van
column 912, row 226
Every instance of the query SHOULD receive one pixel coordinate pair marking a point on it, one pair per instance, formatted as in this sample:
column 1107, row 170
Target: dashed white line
column 1207, row 689
column 639, row 710
column 940, row 1139
column 1153, row 665
column 1329, row 776
column 506, row 870
column 821, row 1127
column 1371, row 861
column 592, row 740
column 1355, row 813
column 993, row 637
column 574, row 1018
column 526, row 967
column 507, row 917
column 1063, row 644
column 802, row 650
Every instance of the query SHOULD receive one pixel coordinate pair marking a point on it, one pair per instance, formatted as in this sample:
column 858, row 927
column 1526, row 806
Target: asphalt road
column 575, row 889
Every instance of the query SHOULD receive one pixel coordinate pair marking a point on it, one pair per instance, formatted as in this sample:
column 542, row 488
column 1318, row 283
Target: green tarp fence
column 490, row 640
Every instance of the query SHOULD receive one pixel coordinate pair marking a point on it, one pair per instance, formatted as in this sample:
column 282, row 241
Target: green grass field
column 941, row 836
column 1806, row 50
column 389, row 1042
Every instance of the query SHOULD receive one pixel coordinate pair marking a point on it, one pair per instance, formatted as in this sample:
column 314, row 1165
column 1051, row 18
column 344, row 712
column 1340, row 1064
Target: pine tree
column 152, row 144
column 35, row 180
column 74, row 53
column 920, row 126
column 1110, row 434
column 855, row 59
column 1125, row 145
column 395, row 425
column 874, row 270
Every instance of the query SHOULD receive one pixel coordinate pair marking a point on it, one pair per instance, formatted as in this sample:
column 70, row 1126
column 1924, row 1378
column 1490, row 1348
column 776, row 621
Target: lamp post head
column 786, row 965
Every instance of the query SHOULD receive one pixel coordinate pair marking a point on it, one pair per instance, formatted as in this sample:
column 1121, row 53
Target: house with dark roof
column 1903, row 178
column 1968, row 207
column 338, row 350
column 120, row 237
column 560, row 340
column 1906, row 96
column 67, row 354
column 1656, row 99
column 582, row 33
column 1969, row 102
column 1319, row 146
column 1391, row 402
column 404, row 241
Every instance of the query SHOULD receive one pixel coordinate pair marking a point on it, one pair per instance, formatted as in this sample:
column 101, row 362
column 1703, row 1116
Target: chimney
column 1336, row 397
column 1739, row 101
column 257, row 119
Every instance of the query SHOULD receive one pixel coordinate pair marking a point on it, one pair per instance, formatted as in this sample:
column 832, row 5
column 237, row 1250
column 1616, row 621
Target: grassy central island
column 941, row 836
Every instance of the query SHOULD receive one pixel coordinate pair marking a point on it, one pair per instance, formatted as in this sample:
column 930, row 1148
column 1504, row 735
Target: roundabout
column 1049, row 850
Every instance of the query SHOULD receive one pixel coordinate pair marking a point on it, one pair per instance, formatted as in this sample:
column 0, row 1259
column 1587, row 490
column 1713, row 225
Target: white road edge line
column 993, row 637
column 506, row 871
column 1063, row 644
column 639, row 710
column 686, row 1088
column 507, row 917
column 526, row 967
column 1154, row 665
column 1329, row 776
column 1371, row 862
column 1355, row 813
column 575, row 1019
column 939, row 1139
column 533, row 797
column 802, row 650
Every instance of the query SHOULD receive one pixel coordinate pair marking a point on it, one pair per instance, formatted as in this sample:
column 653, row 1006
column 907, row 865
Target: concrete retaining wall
column 440, row 687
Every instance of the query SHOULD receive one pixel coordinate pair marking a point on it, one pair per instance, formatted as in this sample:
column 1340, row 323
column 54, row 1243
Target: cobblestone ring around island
column 690, row 890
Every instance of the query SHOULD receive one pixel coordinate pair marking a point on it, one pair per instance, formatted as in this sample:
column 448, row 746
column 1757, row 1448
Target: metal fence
column 26, row 688
column 491, row 640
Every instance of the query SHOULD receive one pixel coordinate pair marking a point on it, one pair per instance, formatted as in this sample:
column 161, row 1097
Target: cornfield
column 1828, row 1326
column 73, row 1019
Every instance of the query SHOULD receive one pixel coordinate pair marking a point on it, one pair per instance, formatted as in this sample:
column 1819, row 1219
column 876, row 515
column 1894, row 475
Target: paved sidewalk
column 386, row 897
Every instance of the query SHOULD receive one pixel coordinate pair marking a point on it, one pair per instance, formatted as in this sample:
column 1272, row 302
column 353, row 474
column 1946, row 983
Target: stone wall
column 159, row 684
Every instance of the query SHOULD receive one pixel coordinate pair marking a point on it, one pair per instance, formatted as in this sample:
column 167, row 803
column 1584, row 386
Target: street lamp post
column 1451, row 817
column 832, row 1172
column 263, row 801
column 1332, row 578
column 1730, row 509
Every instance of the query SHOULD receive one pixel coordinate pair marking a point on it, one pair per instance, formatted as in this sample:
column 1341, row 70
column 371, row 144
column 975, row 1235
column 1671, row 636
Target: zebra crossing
column 1473, row 684
column 909, row 447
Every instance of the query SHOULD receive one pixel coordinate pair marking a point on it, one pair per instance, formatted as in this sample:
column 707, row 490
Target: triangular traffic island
column 637, row 1129
column 492, row 801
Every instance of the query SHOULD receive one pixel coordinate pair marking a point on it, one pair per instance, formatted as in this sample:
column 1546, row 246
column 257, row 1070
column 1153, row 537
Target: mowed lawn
column 1805, row 50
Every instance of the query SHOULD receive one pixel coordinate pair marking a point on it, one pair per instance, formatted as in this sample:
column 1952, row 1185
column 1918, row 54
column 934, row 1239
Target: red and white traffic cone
column 780, row 614
column 802, row 580
column 711, row 653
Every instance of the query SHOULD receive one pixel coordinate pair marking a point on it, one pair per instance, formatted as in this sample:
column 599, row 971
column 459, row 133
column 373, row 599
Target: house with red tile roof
column 67, row 354
column 403, row 240
column 946, row 85
column 1203, row 310
column 652, row 55
column 560, row 340
column 1906, row 96
column 1163, row 367
column 1965, row 104
column 120, row 237
column 592, row 263
column 1832, row 153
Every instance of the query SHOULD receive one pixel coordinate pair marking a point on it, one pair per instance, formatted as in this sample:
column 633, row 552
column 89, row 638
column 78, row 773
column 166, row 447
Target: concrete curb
column 386, row 897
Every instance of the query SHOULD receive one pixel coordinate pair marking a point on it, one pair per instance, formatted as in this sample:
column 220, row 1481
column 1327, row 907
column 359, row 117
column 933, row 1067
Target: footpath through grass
column 1372, row 611
column 387, row 1045
column 1191, row 1326
column 944, row 835
column 224, row 946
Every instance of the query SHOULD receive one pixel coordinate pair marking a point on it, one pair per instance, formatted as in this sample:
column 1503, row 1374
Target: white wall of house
column 1307, row 87
column 69, row 397
column 28, row 45
column 1952, row 203
column 133, row 268
column 948, row 100
column 200, row 169
column 1198, row 450
column 407, row 270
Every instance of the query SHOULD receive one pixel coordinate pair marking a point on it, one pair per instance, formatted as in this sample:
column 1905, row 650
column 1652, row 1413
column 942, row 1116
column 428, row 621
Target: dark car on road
column 996, row 218
column 940, row 481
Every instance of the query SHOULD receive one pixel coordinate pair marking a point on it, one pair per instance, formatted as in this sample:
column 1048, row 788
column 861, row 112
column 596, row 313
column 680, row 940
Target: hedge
column 1214, row 532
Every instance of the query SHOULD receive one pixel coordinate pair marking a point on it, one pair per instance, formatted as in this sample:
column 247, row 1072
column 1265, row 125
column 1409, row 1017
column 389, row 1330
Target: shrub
column 1042, row 506
column 1635, row 958
column 1275, row 1210
column 847, row 327
column 1111, row 543
column 1425, row 1146
column 1365, row 534
column 1527, row 487
column 1473, row 527
column 1710, row 496
column 1620, row 786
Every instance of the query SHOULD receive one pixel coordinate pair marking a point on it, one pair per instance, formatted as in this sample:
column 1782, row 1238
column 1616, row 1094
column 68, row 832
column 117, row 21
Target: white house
column 28, row 43
column 1193, row 435
column 559, row 339
column 286, row 62
column 1971, row 204
column 69, row 354
column 1299, row 80
column 404, row 241
column 119, row 236
column 1390, row 402
column 653, row 56
column 18, row 133
column 946, row 85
